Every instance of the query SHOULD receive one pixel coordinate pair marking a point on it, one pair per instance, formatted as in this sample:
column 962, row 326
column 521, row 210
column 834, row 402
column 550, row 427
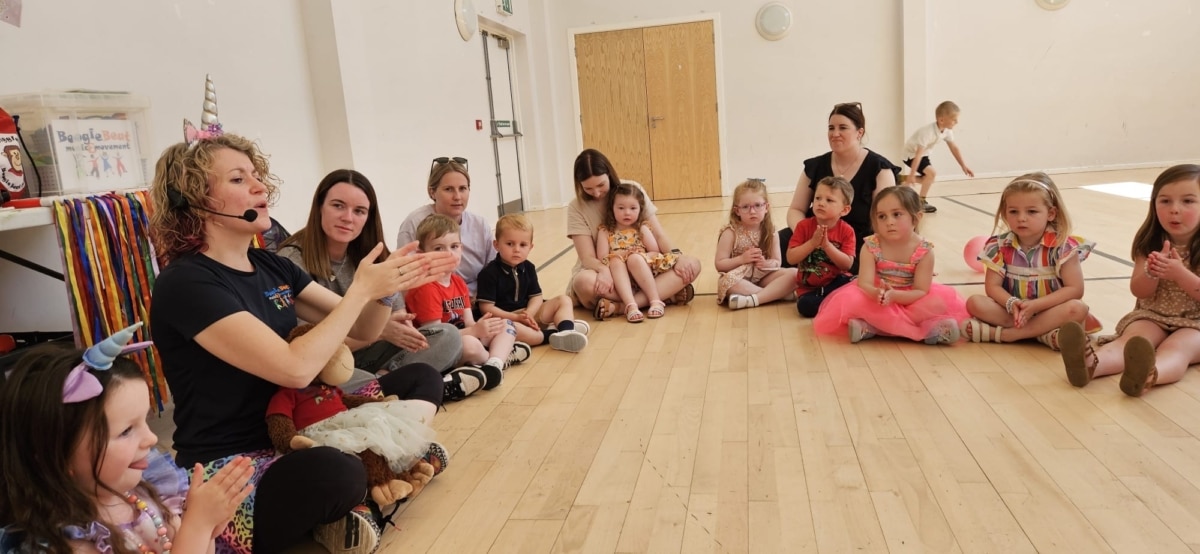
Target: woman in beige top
column 591, row 282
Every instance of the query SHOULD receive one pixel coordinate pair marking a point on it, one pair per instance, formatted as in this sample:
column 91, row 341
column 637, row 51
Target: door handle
column 654, row 119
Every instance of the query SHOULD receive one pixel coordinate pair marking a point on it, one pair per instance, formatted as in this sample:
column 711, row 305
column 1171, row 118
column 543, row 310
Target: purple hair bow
column 81, row 384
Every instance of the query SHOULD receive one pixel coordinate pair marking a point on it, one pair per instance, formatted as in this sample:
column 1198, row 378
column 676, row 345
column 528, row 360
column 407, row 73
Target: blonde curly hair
column 186, row 169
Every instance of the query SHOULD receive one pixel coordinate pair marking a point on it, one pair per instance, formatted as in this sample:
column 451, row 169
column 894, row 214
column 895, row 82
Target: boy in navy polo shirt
column 508, row 288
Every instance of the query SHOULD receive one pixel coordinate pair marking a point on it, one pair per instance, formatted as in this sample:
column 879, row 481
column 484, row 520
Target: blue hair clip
column 80, row 384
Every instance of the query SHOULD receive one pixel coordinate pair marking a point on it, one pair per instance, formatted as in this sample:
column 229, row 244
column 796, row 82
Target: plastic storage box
column 84, row 141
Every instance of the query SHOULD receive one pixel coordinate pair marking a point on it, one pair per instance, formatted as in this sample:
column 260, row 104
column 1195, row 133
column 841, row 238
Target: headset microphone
column 177, row 201
column 248, row 215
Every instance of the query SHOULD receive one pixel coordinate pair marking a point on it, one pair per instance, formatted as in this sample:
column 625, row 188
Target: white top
column 475, row 234
column 925, row 138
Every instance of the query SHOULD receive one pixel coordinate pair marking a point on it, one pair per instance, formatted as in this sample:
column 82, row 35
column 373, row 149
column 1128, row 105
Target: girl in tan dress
column 748, row 254
column 1160, row 338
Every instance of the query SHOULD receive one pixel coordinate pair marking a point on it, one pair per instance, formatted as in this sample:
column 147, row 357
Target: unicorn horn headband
column 80, row 384
column 209, row 125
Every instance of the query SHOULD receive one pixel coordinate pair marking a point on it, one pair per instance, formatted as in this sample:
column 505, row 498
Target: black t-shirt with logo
column 219, row 409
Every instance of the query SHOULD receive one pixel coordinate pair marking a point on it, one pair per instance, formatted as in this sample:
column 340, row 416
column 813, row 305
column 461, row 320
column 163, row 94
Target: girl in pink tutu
column 896, row 295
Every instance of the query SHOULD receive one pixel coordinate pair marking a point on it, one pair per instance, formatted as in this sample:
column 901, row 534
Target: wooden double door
column 648, row 100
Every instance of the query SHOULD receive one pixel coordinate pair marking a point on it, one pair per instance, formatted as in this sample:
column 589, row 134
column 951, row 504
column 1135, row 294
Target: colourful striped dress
column 1032, row 273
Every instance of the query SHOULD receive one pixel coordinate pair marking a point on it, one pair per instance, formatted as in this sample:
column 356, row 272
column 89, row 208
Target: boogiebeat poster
column 97, row 154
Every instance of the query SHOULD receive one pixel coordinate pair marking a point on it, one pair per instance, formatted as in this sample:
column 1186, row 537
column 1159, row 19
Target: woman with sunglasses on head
column 591, row 282
column 867, row 171
column 220, row 315
column 450, row 189
column 343, row 225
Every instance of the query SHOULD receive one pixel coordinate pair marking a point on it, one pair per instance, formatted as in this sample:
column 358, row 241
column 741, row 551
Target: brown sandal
column 685, row 295
column 1140, row 372
column 604, row 308
column 1076, row 349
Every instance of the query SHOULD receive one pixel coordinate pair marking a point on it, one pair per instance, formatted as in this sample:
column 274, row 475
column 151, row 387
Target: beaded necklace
column 159, row 523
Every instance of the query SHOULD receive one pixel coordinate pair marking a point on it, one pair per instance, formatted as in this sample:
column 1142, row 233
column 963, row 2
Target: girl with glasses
column 748, row 254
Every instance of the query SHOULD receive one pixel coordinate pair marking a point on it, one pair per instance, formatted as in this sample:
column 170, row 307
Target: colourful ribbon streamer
column 109, row 268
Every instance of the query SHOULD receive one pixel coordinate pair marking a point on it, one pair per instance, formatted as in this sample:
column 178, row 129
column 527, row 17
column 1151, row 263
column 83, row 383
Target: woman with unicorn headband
column 220, row 313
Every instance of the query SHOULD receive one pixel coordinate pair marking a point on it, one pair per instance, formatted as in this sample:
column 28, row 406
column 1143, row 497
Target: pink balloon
column 971, row 253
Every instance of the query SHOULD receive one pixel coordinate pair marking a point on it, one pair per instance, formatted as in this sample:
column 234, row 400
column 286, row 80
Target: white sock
column 495, row 362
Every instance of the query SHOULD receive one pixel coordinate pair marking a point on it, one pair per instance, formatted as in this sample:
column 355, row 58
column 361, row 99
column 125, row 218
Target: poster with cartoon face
column 12, row 166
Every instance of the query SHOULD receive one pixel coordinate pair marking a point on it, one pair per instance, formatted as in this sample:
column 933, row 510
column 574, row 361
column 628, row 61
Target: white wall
column 777, row 95
column 1093, row 85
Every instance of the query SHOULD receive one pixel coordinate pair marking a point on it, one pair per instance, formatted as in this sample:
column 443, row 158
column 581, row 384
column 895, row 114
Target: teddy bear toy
column 386, row 433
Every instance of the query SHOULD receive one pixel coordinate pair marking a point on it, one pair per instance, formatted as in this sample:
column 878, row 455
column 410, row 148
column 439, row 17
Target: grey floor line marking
column 1095, row 251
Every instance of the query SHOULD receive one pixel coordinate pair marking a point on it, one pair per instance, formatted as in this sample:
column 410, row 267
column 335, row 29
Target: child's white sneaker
column 860, row 330
column 520, row 353
column 738, row 301
column 568, row 341
column 945, row 332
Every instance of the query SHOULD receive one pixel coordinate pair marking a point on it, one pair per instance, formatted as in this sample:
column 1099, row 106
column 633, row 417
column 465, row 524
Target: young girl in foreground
column 626, row 245
column 748, row 252
column 82, row 475
column 1034, row 281
column 1160, row 338
column 896, row 295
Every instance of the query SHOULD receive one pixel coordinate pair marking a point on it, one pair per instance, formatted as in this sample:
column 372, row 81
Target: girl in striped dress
column 1034, row 281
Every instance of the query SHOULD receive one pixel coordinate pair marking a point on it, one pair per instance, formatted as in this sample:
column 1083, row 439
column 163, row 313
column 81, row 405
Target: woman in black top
column 867, row 172
column 220, row 313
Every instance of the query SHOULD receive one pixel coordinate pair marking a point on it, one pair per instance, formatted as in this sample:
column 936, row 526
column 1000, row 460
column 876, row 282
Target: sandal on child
column 685, row 295
column 633, row 314
column 978, row 331
column 1140, row 371
column 1076, row 350
column 656, row 310
column 1092, row 325
column 1050, row 338
column 604, row 308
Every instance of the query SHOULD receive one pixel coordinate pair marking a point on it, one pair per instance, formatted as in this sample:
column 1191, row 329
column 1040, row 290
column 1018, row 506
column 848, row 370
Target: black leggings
column 303, row 489
column 810, row 302
column 414, row 382
column 306, row 488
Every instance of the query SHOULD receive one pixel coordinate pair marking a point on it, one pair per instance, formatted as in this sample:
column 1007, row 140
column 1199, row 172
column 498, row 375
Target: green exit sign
column 504, row 7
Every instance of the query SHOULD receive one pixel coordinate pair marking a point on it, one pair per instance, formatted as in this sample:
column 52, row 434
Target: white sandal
column 980, row 331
